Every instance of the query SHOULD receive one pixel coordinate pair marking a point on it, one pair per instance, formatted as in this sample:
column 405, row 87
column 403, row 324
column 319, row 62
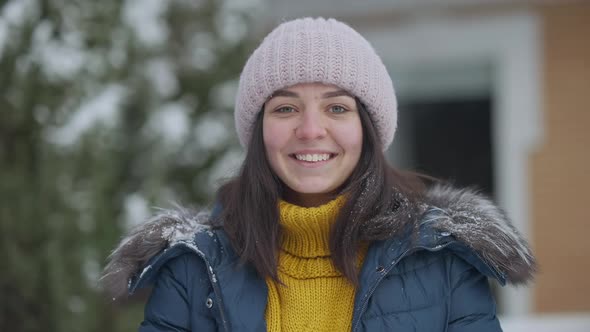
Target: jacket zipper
column 385, row 272
column 213, row 280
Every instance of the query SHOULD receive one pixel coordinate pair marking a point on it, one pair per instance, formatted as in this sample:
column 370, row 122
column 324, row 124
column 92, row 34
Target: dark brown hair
column 250, row 214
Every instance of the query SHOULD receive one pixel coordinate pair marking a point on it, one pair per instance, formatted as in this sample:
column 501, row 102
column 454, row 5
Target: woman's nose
column 311, row 126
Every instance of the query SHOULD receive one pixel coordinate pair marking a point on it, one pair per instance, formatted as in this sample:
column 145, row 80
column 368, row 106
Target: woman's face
column 313, row 139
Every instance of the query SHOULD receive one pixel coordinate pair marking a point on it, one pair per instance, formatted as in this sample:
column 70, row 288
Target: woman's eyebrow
column 283, row 93
column 336, row 93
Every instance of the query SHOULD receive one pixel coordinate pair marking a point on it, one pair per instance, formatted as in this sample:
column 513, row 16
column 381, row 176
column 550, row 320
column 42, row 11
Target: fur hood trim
column 145, row 241
column 472, row 219
column 484, row 228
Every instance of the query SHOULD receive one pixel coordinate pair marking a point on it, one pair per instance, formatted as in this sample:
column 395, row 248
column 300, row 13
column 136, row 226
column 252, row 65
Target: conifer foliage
column 107, row 108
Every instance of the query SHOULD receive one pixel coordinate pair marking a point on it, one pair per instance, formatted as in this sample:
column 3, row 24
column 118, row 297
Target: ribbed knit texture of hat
column 309, row 50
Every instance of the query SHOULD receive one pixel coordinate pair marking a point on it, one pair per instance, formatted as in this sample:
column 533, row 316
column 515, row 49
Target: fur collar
column 484, row 228
column 471, row 218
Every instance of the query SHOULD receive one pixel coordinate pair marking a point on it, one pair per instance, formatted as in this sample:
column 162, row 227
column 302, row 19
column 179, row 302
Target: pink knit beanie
column 311, row 50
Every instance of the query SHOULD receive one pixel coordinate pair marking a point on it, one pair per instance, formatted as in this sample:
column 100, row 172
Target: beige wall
column 560, row 171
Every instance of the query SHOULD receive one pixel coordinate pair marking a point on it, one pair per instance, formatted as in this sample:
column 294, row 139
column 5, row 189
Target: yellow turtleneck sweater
column 315, row 296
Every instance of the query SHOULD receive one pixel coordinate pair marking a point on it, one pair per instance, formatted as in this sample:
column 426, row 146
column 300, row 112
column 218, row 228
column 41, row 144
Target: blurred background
column 111, row 108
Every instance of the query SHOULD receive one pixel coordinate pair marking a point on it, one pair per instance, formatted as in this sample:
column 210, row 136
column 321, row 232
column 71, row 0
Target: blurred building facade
column 493, row 94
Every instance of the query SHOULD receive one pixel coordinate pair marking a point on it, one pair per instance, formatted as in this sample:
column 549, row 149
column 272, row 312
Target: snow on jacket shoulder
column 433, row 279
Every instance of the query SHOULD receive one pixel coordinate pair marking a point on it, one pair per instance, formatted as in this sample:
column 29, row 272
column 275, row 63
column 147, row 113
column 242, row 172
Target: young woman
column 317, row 232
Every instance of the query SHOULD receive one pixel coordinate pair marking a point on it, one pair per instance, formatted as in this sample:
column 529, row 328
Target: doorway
column 450, row 140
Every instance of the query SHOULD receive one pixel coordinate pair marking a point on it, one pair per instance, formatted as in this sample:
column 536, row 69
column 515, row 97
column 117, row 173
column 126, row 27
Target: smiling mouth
column 313, row 158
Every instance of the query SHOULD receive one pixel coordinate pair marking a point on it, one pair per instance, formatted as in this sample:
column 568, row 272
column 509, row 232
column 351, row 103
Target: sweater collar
column 306, row 230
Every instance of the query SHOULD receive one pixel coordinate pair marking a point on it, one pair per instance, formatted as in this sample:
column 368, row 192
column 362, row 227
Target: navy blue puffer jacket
column 432, row 279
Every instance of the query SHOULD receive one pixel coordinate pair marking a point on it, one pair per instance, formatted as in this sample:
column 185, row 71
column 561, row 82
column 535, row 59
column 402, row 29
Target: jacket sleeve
column 174, row 301
column 472, row 306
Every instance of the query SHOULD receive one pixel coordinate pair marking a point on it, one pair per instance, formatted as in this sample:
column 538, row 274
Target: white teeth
column 313, row 157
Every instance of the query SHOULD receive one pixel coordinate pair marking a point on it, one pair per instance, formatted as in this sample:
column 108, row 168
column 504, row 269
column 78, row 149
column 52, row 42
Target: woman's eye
column 285, row 109
column 337, row 109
